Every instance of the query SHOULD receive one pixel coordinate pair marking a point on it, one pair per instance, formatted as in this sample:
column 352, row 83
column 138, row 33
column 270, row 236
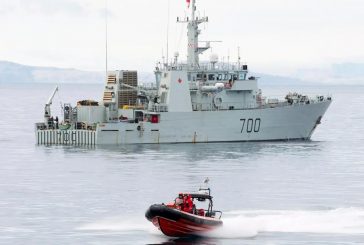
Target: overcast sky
column 278, row 36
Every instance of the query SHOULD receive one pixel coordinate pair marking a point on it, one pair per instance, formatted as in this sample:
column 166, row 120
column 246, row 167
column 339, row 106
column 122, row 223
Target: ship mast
column 192, row 44
column 193, row 50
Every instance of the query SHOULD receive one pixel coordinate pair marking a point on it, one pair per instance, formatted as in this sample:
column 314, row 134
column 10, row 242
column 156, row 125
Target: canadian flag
column 188, row 3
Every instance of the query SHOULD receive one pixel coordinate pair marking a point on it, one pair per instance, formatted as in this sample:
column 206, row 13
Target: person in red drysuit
column 188, row 203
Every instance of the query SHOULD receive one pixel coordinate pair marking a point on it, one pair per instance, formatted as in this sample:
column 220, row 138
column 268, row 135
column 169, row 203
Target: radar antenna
column 206, row 181
column 205, row 189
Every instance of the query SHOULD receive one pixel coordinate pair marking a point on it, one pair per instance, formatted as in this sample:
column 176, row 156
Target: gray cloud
column 275, row 36
column 44, row 7
column 54, row 6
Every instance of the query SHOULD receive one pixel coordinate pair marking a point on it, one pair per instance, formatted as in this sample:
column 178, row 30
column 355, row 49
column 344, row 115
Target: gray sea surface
column 301, row 192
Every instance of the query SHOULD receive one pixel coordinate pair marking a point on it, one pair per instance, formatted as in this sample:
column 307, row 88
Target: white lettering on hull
column 65, row 137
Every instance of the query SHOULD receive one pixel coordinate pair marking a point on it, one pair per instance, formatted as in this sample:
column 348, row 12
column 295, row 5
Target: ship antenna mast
column 239, row 57
column 169, row 10
column 106, row 41
column 193, row 50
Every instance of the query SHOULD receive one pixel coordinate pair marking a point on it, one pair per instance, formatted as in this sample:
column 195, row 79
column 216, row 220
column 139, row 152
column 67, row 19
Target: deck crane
column 47, row 108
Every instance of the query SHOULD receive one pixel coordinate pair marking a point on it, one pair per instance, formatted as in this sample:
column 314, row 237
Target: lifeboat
column 182, row 218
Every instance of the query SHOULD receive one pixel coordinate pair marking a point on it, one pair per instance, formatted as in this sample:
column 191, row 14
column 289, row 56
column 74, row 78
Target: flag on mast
column 188, row 3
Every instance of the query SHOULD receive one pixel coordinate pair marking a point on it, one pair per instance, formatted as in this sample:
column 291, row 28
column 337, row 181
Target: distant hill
column 11, row 72
column 16, row 73
column 271, row 80
column 341, row 73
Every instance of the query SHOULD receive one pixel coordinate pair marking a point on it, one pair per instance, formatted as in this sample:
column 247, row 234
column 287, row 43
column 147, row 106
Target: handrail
column 224, row 106
column 212, row 213
column 160, row 108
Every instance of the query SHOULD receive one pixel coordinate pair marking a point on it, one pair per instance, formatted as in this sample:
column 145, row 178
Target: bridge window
column 242, row 75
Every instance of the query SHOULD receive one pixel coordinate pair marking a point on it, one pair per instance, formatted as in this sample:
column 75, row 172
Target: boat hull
column 176, row 223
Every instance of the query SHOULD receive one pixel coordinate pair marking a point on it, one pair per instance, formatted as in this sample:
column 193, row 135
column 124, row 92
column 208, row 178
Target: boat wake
column 120, row 224
column 249, row 223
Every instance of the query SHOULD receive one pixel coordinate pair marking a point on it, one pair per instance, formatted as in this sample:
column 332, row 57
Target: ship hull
column 270, row 124
column 293, row 122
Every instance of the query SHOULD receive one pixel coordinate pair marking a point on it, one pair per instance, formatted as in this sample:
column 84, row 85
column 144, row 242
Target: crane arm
column 52, row 96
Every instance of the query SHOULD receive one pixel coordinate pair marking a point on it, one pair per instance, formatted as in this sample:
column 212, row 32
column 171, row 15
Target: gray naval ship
column 192, row 102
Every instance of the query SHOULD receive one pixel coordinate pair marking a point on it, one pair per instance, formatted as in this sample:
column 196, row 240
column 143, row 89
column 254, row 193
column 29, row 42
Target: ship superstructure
column 192, row 102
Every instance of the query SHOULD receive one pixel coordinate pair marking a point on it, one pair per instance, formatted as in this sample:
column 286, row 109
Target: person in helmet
column 179, row 201
column 188, row 203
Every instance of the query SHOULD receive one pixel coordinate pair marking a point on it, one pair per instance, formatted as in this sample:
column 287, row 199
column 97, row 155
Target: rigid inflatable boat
column 181, row 218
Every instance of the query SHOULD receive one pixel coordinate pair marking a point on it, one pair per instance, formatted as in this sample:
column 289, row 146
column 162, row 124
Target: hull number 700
column 250, row 125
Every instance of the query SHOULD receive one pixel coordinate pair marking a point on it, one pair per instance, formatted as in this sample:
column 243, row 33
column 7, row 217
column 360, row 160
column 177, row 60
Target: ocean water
column 301, row 192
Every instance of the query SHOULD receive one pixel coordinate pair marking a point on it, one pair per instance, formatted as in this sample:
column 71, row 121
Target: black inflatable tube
column 175, row 215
